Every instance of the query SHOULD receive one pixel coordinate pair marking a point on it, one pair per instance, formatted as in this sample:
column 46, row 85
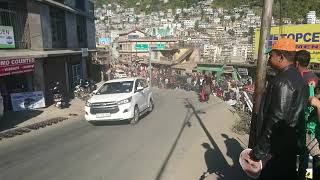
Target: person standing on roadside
column 302, row 62
column 281, row 109
column 308, row 145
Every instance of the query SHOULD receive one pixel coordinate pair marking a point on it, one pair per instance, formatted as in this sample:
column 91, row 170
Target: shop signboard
column 16, row 66
column 307, row 37
column 104, row 41
column 142, row 47
column 6, row 37
column 27, row 100
column 160, row 46
column 84, row 52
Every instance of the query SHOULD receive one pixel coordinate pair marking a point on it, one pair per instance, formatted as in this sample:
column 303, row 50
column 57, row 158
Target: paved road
column 76, row 150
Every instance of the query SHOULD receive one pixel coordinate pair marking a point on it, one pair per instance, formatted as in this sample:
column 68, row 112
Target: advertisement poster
column 6, row 37
column 307, row 37
column 16, row 66
column 27, row 100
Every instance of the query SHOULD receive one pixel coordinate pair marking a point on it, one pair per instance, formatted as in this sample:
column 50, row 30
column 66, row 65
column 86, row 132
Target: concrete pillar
column 67, row 76
column 71, row 28
column 34, row 21
column 46, row 26
column 39, row 81
column 84, row 67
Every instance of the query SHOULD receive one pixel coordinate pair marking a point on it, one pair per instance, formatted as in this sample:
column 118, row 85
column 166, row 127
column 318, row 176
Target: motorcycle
column 58, row 99
column 83, row 90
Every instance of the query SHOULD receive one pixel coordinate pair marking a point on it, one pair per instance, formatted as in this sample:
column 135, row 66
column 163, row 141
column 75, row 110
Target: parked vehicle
column 84, row 89
column 58, row 99
column 120, row 99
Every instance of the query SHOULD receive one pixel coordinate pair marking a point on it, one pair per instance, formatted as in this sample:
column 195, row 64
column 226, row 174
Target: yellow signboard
column 307, row 36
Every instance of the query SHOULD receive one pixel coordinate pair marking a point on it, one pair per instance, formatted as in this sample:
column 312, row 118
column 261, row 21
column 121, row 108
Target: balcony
column 18, row 20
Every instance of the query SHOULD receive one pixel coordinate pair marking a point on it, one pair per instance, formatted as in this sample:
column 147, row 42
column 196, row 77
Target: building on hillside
column 134, row 46
column 311, row 17
column 43, row 45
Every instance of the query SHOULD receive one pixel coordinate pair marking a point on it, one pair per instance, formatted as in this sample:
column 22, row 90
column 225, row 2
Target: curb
column 28, row 128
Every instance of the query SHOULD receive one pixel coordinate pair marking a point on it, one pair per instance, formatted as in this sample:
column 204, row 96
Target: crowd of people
column 237, row 93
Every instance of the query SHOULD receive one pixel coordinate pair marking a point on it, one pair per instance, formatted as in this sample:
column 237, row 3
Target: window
column 91, row 8
column 58, row 24
column 80, row 5
column 76, row 74
column 81, row 29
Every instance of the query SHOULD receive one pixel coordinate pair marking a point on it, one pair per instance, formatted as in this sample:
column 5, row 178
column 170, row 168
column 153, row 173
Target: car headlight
column 88, row 104
column 125, row 101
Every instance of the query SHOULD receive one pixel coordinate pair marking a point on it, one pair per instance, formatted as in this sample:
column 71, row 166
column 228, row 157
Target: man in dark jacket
column 281, row 109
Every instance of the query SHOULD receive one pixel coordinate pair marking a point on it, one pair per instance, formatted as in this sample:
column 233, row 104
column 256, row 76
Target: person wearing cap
column 281, row 109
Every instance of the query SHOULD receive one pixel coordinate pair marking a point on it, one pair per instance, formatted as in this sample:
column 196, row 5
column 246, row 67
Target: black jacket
column 281, row 114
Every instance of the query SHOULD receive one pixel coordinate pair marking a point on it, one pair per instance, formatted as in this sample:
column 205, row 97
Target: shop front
column 17, row 84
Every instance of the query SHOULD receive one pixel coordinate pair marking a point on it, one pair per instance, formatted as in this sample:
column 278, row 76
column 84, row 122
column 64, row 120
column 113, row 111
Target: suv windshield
column 116, row 87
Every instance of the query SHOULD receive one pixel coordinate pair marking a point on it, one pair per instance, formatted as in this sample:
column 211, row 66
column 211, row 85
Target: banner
column 307, row 37
column 6, row 37
column 27, row 100
column 16, row 66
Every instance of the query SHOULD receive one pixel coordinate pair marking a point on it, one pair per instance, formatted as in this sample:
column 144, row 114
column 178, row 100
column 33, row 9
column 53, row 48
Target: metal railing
column 18, row 19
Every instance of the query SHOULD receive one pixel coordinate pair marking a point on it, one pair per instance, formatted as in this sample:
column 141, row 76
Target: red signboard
column 16, row 66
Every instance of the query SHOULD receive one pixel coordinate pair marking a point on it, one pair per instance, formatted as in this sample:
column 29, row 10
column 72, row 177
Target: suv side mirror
column 139, row 89
column 94, row 92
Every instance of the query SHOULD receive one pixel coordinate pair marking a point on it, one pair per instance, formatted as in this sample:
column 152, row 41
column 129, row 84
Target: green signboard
column 142, row 47
column 160, row 46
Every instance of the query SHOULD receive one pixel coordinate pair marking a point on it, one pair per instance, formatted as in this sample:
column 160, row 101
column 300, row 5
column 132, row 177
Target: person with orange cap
column 279, row 118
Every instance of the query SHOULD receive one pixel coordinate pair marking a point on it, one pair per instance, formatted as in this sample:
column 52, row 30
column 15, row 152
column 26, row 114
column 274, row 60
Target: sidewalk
column 15, row 120
column 209, row 145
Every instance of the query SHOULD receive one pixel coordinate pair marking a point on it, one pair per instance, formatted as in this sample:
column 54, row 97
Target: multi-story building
column 45, row 44
column 311, row 17
column 135, row 46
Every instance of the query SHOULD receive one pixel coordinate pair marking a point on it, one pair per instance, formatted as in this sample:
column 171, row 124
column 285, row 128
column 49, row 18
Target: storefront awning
column 26, row 53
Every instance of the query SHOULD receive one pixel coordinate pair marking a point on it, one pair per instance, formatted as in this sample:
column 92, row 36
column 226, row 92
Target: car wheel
column 135, row 118
column 151, row 105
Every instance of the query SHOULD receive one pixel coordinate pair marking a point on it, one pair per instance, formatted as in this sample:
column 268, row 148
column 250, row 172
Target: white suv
column 120, row 99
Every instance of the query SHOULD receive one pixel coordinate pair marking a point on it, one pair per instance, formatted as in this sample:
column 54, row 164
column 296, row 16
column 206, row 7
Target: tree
column 196, row 25
column 233, row 19
column 231, row 32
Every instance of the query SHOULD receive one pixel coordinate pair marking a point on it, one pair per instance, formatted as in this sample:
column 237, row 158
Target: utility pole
column 261, row 68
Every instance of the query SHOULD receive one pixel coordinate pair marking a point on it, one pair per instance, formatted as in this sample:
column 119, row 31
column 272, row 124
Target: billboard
column 104, row 41
column 307, row 37
column 6, row 37
column 27, row 100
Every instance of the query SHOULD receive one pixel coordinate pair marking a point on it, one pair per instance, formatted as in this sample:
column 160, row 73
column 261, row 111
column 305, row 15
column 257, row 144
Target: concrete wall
column 71, row 28
column 34, row 20
column 46, row 26
column 71, row 3
column 91, row 34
